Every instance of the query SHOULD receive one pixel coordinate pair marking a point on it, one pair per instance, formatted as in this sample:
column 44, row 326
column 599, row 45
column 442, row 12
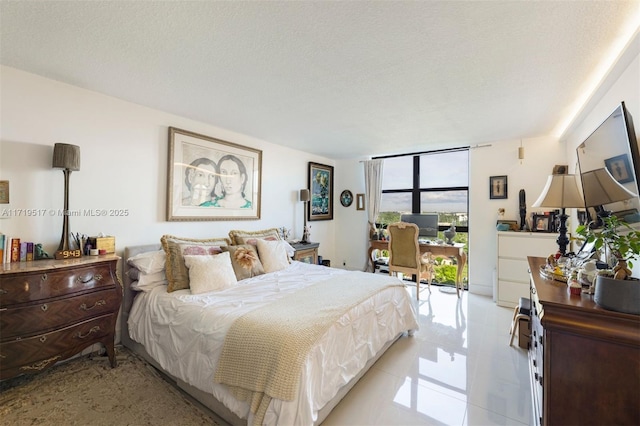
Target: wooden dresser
column 584, row 360
column 52, row 309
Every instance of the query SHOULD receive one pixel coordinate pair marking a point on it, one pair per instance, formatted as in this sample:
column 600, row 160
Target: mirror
column 612, row 146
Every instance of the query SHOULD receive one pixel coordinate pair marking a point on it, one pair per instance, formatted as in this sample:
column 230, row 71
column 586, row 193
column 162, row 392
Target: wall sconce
column 561, row 191
column 521, row 152
column 67, row 158
column 305, row 197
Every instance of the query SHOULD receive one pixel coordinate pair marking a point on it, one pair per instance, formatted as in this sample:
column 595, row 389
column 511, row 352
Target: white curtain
column 373, row 194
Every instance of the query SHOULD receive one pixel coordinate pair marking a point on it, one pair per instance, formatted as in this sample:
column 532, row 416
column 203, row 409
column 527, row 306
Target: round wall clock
column 346, row 198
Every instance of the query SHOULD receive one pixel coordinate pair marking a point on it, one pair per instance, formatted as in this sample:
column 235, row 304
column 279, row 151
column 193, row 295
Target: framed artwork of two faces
column 211, row 179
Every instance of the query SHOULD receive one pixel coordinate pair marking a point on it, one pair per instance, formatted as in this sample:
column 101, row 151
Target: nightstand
column 52, row 309
column 307, row 253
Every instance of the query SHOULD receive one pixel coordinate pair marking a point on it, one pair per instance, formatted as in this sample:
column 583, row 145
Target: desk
column 445, row 250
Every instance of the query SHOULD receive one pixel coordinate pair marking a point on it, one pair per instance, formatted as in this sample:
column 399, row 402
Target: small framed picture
column 560, row 169
column 359, row 201
column 497, row 187
column 4, row 192
column 541, row 223
column 619, row 168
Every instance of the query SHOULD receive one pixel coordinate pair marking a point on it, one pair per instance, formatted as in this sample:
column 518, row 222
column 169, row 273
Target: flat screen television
column 427, row 223
column 614, row 146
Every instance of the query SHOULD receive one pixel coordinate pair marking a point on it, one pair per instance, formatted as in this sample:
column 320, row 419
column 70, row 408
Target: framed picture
column 619, row 168
column 4, row 192
column 346, row 198
column 212, row 179
column 359, row 201
column 560, row 169
column 497, row 187
column 541, row 223
column 321, row 191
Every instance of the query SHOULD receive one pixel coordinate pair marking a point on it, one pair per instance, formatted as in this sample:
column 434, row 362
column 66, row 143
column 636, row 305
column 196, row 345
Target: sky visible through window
column 437, row 170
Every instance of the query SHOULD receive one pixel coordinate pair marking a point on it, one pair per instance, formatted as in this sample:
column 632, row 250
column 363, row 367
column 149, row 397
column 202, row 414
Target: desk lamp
column 561, row 191
column 304, row 197
column 601, row 188
column 67, row 158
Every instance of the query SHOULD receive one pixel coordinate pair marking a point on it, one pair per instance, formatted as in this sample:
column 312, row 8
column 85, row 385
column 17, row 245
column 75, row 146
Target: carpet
column 87, row 391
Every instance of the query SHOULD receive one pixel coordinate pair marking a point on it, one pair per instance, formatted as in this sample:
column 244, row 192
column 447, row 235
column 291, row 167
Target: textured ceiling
column 341, row 79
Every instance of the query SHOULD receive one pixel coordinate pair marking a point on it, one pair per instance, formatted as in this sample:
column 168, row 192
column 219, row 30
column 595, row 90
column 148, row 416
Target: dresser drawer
column 510, row 292
column 514, row 270
column 33, row 286
column 519, row 246
column 38, row 352
column 51, row 314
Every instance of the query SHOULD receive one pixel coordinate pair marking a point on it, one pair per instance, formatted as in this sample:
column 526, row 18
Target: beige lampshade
column 304, row 195
column 559, row 192
column 601, row 188
column 66, row 156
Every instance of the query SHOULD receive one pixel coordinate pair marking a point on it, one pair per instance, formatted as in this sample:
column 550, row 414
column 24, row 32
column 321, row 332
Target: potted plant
column 616, row 289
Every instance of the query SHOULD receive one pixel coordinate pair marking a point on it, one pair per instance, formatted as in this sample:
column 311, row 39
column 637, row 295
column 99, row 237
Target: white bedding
column 185, row 334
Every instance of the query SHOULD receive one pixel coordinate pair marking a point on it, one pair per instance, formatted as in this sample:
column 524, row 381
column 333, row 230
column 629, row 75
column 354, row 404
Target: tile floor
column 458, row 369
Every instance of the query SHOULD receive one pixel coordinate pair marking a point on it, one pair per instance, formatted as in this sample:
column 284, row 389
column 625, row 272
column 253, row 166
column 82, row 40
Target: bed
column 183, row 335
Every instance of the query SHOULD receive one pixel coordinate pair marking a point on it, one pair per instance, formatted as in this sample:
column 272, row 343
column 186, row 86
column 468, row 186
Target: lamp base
column 562, row 240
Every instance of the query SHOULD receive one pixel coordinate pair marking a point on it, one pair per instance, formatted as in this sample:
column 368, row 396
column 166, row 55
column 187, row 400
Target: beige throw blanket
column 265, row 349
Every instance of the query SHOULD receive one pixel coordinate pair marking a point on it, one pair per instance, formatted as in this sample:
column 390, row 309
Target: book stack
column 14, row 250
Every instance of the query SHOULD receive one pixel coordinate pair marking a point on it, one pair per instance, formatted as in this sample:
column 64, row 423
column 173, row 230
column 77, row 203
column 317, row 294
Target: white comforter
column 185, row 334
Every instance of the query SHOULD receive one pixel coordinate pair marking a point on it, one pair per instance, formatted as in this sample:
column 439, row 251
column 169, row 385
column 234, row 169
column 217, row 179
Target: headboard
column 129, row 294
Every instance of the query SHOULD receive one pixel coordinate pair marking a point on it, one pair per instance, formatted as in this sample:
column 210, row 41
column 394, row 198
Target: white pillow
column 146, row 282
column 290, row 250
column 148, row 262
column 273, row 255
column 210, row 273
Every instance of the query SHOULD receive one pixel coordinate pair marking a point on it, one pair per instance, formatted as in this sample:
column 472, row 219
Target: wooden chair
column 522, row 312
column 405, row 256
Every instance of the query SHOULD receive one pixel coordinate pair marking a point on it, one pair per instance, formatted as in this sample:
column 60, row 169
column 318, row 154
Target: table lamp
column 601, row 188
column 561, row 191
column 67, row 158
column 304, row 197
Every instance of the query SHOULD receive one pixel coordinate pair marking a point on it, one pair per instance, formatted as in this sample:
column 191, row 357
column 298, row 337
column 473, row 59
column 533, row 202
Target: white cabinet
column 513, row 269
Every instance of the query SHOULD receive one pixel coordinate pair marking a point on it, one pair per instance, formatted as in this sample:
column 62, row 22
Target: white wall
column 124, row 150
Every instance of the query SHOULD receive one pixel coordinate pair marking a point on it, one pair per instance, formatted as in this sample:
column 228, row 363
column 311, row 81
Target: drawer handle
column 100, row 302
column 43, row 339
column 84, row 279
column 44, row 277
column 44, row 307
column 40, row 365
column 88, row 278
column 3, row 291
column 94, row 329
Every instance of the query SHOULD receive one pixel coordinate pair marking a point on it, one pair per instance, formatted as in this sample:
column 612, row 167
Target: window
column 429, row 182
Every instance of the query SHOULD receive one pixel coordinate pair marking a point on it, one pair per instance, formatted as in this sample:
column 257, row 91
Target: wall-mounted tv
column 427, row 223
column 613, row 146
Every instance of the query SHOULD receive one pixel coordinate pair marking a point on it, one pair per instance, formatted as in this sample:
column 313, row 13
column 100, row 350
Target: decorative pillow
column 245, row 261
column 176, row 248
column 146, row 282
column 249, row 237
column 148, row 262
column 209, row 273
column 273, row 255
